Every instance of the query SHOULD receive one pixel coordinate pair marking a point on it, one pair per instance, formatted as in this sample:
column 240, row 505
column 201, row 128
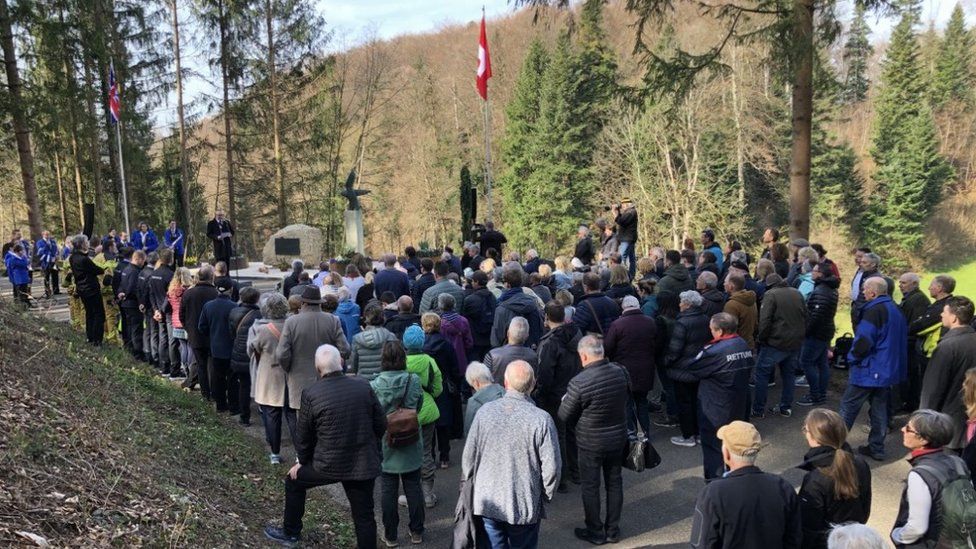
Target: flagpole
column 487, row 135
column 118, row 136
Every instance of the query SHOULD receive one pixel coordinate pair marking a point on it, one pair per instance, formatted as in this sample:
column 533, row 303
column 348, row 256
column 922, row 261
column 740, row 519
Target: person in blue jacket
column 144, row 239
column 18, row 271
column 214, row 324
column 175, row 240
column 47, row 254
column 878, row 360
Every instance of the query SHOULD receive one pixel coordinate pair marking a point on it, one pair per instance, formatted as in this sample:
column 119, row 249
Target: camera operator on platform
column 625, row 216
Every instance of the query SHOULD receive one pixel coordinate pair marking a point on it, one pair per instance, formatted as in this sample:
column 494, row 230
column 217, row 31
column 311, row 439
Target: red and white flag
column 484, row 62
column 114, row 105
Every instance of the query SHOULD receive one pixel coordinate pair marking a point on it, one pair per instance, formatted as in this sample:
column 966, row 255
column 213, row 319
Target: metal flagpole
column 488, row 157
column 125, row 199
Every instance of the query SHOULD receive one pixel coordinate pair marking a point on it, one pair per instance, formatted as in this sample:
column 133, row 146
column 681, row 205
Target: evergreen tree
column 911, row 173
column 597, row 67
column 467, row 203
column 857, row 51
column 952, row 78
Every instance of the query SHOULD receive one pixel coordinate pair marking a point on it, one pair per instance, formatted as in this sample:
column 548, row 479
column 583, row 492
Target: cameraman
column 625, row 216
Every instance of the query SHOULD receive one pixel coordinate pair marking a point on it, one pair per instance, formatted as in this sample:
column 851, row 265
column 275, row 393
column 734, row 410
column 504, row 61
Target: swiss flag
column 484, row 62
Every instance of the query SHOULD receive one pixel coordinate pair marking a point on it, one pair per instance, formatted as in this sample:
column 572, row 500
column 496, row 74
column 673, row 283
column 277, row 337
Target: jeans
column 769, row 358
column 813, row 359
column 220, row 384
column 175, row 359
column 390, row 490
column 133, row 331
column 668, row 394
column 271, row 416
column 687, row 394
column 567, row 445
column 359, row 493
column 592, row 466
column 850, row 406
column 94, row 318
column 503, row 535
column 638, row 413
column 628, row 254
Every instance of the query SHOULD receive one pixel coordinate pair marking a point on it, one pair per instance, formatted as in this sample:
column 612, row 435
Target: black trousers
column 200, row 371
column 389, row 493
column 240, row 385
column 52, row 281
column 220, row 383
column 271, row 415
column 132, row 322
column 593, row 466
column 687, row 396
column 94, row 318
column 179, row 258
column 359, row 493
column 567, row 446
column 22, row 294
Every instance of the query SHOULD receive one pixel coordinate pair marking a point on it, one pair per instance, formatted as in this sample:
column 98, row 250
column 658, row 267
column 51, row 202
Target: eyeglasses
column 908, row 429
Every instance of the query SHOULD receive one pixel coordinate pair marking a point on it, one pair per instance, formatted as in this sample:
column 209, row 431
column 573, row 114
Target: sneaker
column 665, row 421
column 430, row 500
column 682, row 441
column 655, row 407
column 801, row 382
column 416, row 538
column 402, row 501
column 275, row 459
column 387, row 542
column 807, row 400
column 757, row 414
column 785, row 412
column 445, row 464
column 278, row 535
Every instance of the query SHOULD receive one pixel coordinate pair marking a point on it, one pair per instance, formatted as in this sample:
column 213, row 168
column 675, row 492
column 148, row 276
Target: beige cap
column 741, row 438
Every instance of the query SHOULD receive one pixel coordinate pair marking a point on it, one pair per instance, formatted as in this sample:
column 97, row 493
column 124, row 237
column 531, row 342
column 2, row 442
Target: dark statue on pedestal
column 351, row 194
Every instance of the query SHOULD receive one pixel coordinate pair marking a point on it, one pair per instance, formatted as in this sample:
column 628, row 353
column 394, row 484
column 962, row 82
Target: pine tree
column 597, row 66
column 467, row 203
column 911, row 173
column 953, row 77
column 857, row 51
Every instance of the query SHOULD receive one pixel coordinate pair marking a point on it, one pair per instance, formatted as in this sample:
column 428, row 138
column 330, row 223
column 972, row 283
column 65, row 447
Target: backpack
column 842, row 346
column 957, row 504
column 402, row 425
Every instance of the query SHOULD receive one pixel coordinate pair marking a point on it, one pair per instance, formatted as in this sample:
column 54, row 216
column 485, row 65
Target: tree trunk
column 95, row 140
column 67, row 68
column 61, row 199
column 802, row 120
column 739, row 141
column 21, row 130
column 181, row 121
column 228, row 139
column 275, row 119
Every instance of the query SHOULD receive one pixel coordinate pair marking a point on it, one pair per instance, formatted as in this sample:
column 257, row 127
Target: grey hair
column 935, row 427
column 747, row 460
column 709, row 279
column 476, row 372
column 476, row 248
column 343, row 294
column 872, row 258
column 205, row 273
column 327, row 360
column 446, row 302
column 854, row 536
column 878, row 284
column 911, row 277
column 725, row 322
column 691, row 297
column 946, row 282
column 584, row 229
column 518, row 331
column 809, row 254
column 519, row 376
column 591, row 345
column 78, row 241
column 297, row 264
column 739, row 255
column 389, row 260
column 273, row 306
column 807, row 267
column 531, row 254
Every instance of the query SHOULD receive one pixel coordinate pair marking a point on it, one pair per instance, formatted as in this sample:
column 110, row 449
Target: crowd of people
column 547, row 370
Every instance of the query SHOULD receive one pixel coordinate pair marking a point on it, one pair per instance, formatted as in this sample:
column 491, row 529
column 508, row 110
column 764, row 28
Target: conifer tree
column 953, row 77
column 857, row 51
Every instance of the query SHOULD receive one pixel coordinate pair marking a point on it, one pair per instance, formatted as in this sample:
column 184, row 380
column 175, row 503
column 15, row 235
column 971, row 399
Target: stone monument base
column 310, row 244
column 354, row 231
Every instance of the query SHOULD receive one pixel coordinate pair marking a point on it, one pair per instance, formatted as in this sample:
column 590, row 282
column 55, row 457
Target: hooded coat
column 782, row 318
column 632, row 342
column 819, row 508
column 514, row 302
column 742, row 305
column 675, row 280
column 558, row 363
column 367, row 352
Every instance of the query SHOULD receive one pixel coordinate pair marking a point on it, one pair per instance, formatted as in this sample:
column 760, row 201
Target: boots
column 430, row 498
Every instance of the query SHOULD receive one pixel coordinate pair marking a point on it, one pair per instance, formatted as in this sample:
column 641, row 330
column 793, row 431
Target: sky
column 349, row 20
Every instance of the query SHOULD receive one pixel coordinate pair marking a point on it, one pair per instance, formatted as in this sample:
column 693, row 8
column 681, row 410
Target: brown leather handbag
column 402, row 425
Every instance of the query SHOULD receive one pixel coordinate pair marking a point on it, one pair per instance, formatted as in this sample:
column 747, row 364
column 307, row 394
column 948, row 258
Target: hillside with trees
column 580, row 118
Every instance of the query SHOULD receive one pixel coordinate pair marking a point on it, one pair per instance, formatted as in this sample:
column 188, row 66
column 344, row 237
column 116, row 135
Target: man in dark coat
column 240, row 320
column 782, row 325
column 746, row 507
column 632, row 342
column 129, row 304
column 625, row 216
column 516, row 348
column 158, row 287
column 688, row 336
column 390, row 279
column 821, row 309
column 928, row 328
column 955, row 354
column 713, row 299
column 215, row 326
column 479, row 309
column 492, row 239
column 340, row 424
column 676, row 278
column 584, row 250
column 914, row 304
column 191, row 307
column 290, row 281
column 423, row 282
column 595, row 407
column 404, row 318
column 595, row 311
column 220, row 232
column 722, row 373
column 870, row 268
column 512, row 303
column 150, row 336
column 558, row 364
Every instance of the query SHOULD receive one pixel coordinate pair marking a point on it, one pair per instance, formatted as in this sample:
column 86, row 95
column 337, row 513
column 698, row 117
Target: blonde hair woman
column 180, row 350
column 969, row 400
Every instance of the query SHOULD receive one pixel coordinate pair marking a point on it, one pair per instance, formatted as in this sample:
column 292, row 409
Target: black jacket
column 239, row 323
column 423, row 282
column 914, row 305
column 688, row 337
column 142, row 289
column 819, row 508
column 584, row 250
column 782, row 318
column 500, row 357
column 595, row 312
column 822, row 307
column 191, row 306
column 747, row 509
column 492, row 239
column 619, row 291
column 235, row 294
column 289, row 282
column 722, row 371
column 595, row 407
column 940, row 461
column 676, row 279
column 558, row 363
column 158, row 286
column 85, row 274
column 632, row 342
column 515, row 302
column 340, row 424
column 128, row 285
column 942, row 384
column 627, row 226
column 969, row 456
column 713, row 302
column 401, row 322
column 479, row 308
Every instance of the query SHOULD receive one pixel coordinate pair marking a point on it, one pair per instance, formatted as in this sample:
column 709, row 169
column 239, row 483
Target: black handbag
column 640, row 453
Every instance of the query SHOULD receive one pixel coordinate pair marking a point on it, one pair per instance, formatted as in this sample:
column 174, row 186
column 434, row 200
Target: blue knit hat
column 413, row 338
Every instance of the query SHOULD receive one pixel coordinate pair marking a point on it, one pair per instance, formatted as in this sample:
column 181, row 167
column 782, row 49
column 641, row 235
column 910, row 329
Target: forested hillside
column 576, row 119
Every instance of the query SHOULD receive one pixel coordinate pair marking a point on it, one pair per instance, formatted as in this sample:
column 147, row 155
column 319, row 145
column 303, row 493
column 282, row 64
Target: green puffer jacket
column 390, row 388
column 424, row 366
column 367, row 351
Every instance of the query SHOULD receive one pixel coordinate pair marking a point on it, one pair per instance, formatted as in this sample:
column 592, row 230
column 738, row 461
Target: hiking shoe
column 430, row 500
column 666, row 421
column 278, row 535
column 801, row 382
column 682, row 441
column 387, row 542
column 866, row 451
column 807, row 400
column 785, row 412
column 416, row 538
column 655, row 407
column 402, row 501
column 275, row 459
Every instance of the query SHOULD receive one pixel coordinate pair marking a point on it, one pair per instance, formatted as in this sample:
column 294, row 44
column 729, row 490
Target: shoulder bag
column 402, row 425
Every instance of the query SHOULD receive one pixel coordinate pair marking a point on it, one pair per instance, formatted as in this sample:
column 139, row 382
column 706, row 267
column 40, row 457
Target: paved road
column 657, row 504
